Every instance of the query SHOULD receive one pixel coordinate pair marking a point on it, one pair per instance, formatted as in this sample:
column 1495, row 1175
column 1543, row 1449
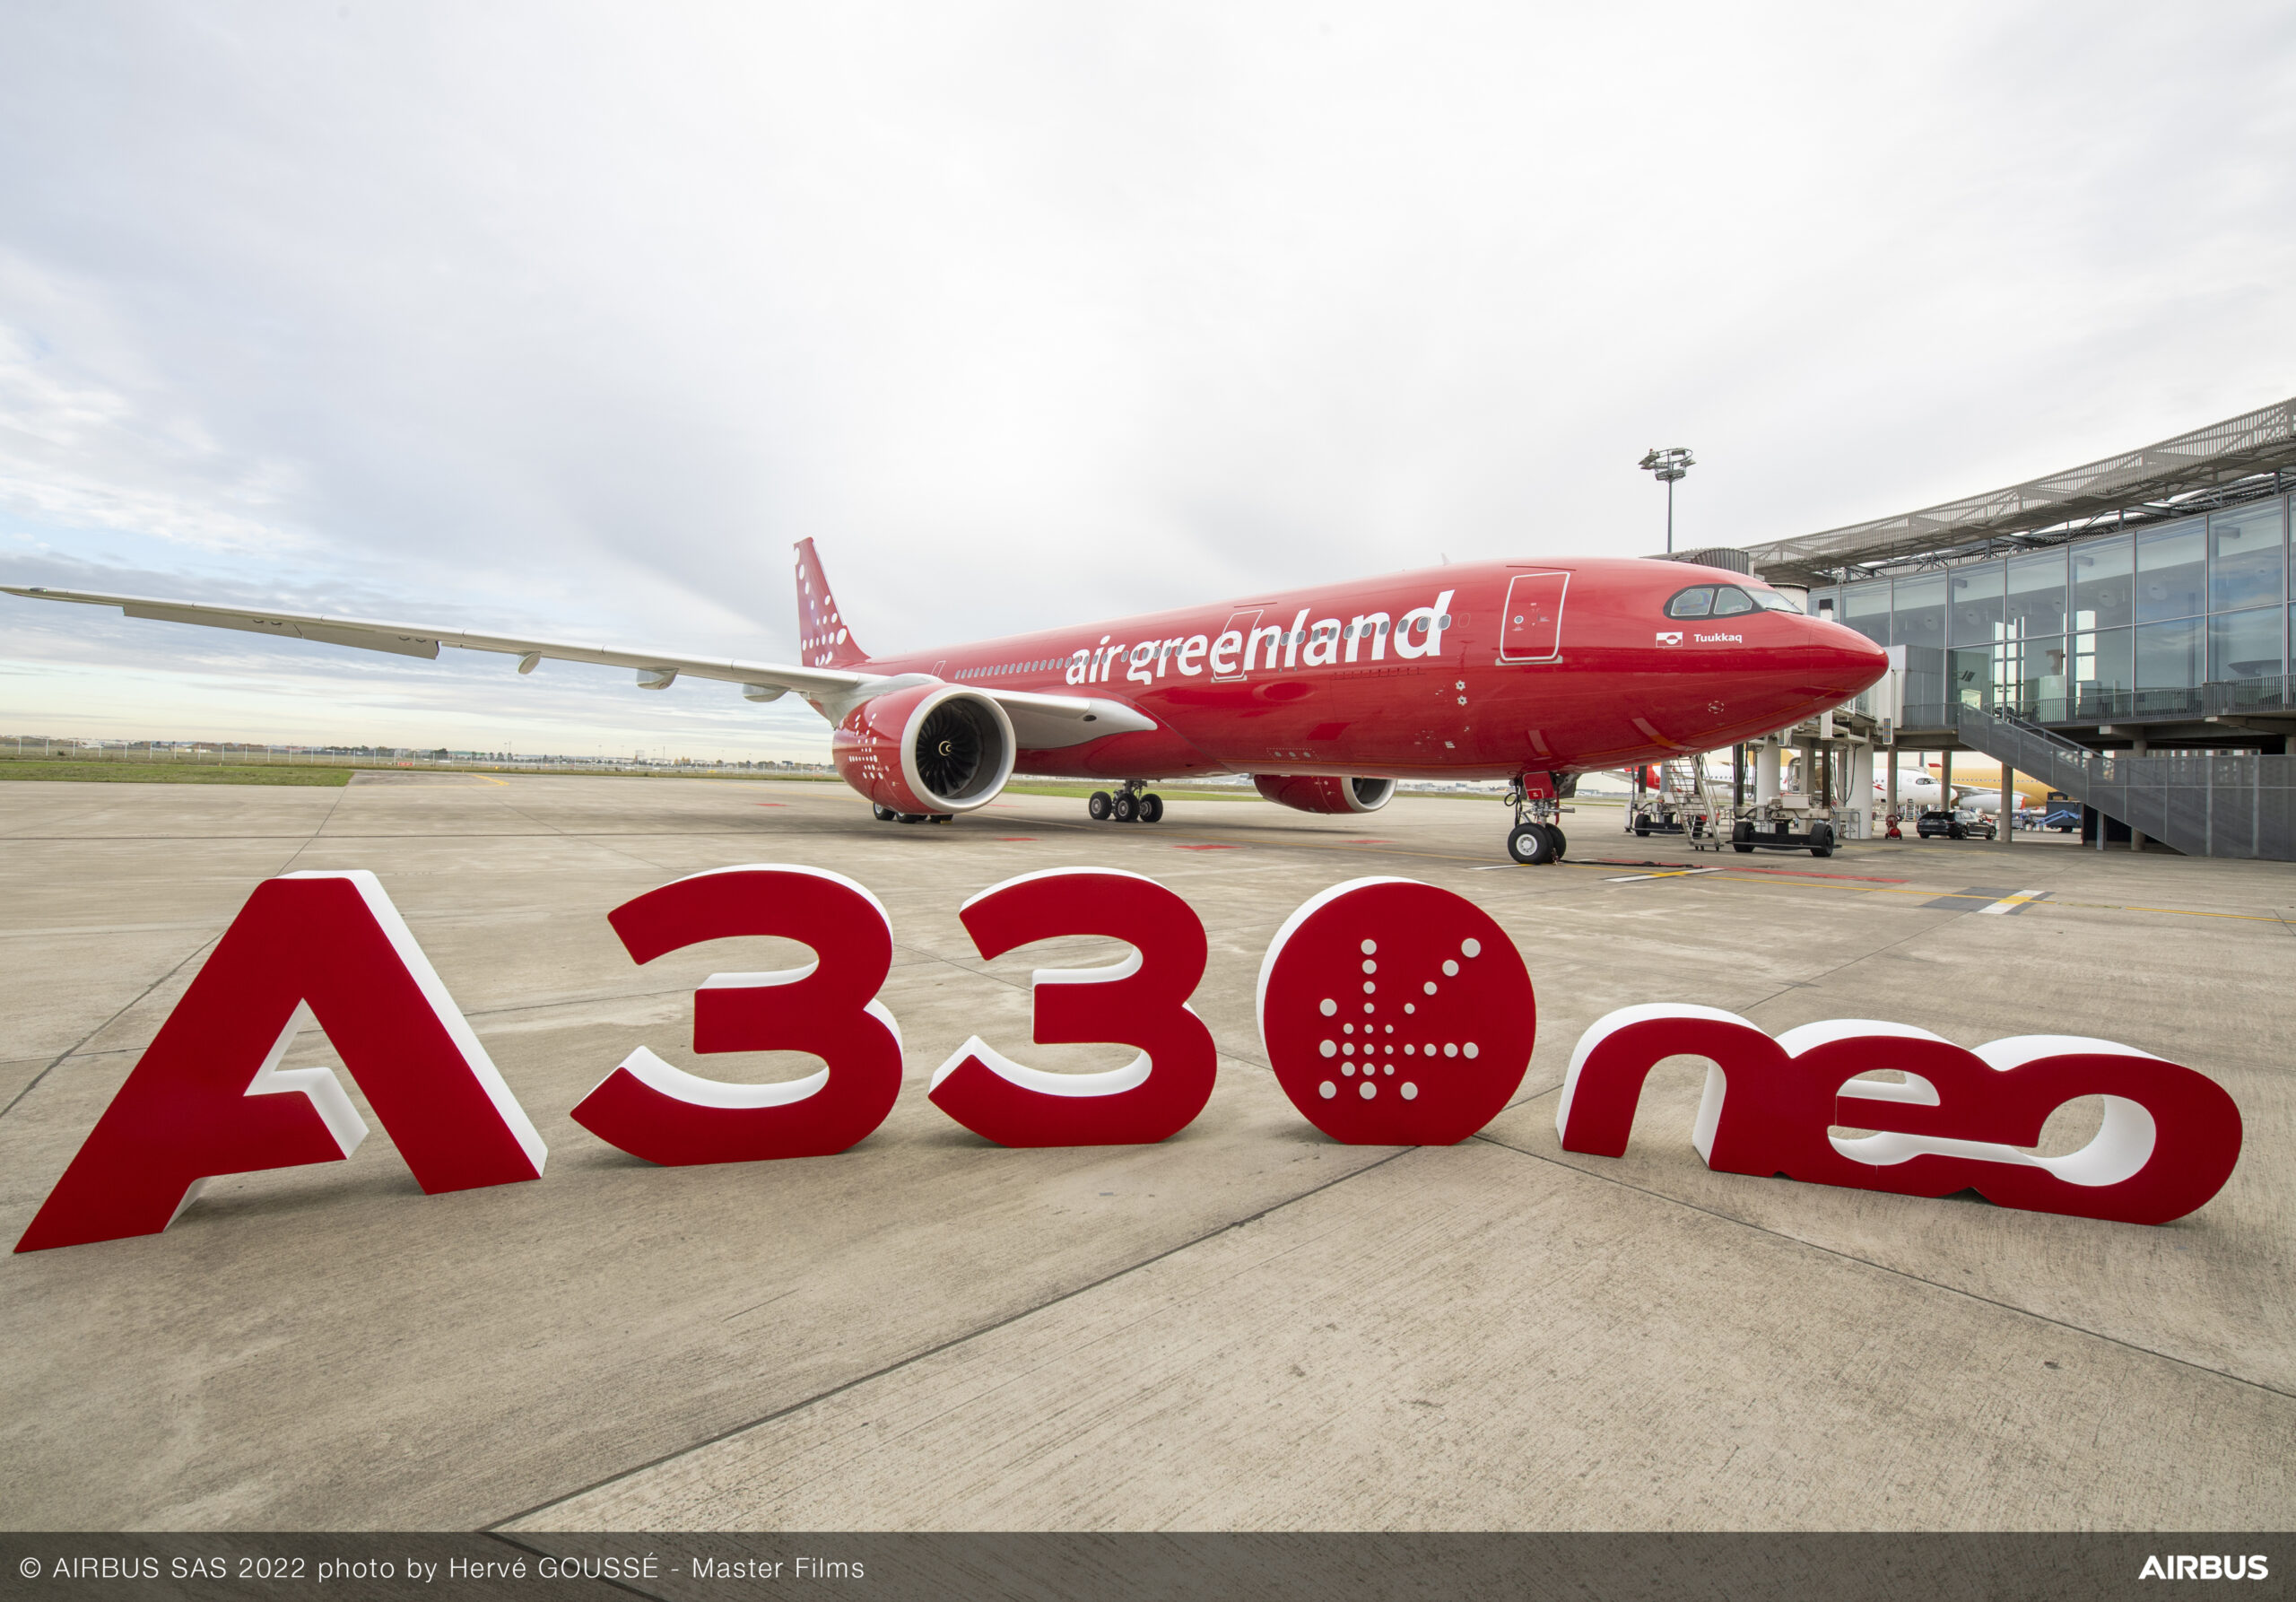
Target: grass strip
column 168, row 773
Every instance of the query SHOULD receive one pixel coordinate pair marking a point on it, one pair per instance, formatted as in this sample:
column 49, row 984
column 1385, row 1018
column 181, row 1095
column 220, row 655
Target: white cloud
column 575, row 318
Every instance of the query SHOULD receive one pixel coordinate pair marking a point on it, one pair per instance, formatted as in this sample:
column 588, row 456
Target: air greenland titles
column 1327, row 642
column 1529, row 673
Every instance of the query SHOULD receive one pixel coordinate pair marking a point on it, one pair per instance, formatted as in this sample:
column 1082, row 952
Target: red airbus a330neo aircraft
column 1533, row 672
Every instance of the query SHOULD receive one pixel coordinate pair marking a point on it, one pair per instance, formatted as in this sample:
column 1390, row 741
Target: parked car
column 1954, row 825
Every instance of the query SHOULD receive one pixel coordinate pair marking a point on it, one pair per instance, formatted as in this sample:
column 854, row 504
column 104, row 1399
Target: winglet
column 822, row 639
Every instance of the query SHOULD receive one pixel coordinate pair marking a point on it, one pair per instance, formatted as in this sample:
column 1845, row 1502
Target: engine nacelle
column 1304, row 792
column 931, row 748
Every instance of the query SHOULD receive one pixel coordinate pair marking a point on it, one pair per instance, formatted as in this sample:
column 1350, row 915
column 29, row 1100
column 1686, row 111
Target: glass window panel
column 2037, row 594
column 1729, row 601
column 2246, row 561
column 2103, row 585
column 2171, row 573
column 1971, row 673
column 1866, row 607
column 2245, row 645
column 1920, row 612
column 2169, row 656
column 1825, row 604
column 1977, row 604
column 2104, row 671
column 2042, row 667
column 1692, row 603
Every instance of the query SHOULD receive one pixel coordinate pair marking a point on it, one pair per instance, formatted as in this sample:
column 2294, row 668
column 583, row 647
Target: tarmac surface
column 1246, row 1326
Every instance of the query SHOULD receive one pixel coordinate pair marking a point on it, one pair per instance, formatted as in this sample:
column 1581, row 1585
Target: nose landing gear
column 1535, row 844
column 1537, row 838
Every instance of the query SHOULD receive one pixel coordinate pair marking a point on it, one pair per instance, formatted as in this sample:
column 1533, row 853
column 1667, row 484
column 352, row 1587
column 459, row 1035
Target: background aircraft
column 1325, row 696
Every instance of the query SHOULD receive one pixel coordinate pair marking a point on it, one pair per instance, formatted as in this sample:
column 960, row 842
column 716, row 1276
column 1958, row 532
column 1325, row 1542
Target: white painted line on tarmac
column 1680, row 872
column 2013, row 903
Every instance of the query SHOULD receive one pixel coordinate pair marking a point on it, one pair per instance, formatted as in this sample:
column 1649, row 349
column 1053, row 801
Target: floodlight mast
column 1669, row 463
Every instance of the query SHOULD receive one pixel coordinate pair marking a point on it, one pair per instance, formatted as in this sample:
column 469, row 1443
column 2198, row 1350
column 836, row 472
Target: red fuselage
column 1559, row 667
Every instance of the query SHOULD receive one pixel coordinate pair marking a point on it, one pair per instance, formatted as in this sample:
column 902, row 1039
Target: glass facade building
column 2183, row 619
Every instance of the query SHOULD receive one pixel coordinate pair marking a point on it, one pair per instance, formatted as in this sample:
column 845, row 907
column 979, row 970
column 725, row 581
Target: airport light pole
column 1669, row 463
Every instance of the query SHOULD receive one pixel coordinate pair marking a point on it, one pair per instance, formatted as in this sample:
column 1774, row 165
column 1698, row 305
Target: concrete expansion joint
column 949, row 1345
column 72, row 1050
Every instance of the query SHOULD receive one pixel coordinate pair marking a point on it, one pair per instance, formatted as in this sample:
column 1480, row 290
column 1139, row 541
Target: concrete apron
column 1246, row 1327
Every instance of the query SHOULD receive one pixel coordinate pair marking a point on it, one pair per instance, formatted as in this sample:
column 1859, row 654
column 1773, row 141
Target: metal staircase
column 2242, row 806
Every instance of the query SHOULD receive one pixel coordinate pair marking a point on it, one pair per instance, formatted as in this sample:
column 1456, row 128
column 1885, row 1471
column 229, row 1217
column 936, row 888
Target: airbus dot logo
column 1673, row 637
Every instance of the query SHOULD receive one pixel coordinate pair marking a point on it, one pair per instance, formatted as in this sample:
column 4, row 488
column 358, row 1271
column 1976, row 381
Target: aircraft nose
column 1850, row 660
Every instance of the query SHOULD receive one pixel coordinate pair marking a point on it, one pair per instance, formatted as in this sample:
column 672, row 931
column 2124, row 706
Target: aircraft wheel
column 1736, row 846
column 1124, row 807
column 912, row 818
column 1151, row 809
column 884, row 815
column 1530, row 844
column 1562, row 841
column 1099, row 806
column 1821, row 840
column 943, row 817
column 1641, row 829
column 1743, row 835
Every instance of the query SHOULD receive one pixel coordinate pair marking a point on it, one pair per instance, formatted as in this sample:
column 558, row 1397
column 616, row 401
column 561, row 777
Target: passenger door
column 1530, row 630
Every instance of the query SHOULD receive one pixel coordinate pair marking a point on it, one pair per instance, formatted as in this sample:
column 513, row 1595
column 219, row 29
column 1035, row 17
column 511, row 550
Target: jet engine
column 931, row 749
column 1304, row 792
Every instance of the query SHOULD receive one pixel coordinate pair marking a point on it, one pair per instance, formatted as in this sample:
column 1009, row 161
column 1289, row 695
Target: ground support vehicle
column 1679, row 802
column 1785, row 823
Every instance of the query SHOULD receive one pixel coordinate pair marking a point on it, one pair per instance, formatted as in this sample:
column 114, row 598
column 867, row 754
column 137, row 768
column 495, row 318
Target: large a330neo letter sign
column 210, row 1097
column 1954, row 1120
column 1393, row 1013
column 829, row 1008
column 1140, row 1001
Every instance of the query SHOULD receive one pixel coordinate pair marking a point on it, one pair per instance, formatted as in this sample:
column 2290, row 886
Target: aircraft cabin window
column 1692, row 603
column 1770, row 600
column 1729, row 601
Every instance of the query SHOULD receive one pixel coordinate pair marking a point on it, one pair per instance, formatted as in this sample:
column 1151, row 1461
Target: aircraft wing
column 1040, row 722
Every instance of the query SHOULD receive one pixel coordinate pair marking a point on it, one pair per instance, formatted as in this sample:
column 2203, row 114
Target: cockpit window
column 1726, row 600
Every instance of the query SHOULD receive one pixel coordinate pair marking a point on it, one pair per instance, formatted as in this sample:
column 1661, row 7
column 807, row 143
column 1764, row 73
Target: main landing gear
column 1537, row 838
column 1134, row 804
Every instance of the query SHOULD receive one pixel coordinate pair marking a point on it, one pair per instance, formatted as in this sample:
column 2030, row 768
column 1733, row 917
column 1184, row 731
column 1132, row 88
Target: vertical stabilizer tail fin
column 822, row 639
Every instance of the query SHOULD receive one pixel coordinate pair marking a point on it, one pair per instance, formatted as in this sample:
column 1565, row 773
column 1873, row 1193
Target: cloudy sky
column 570, row 318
